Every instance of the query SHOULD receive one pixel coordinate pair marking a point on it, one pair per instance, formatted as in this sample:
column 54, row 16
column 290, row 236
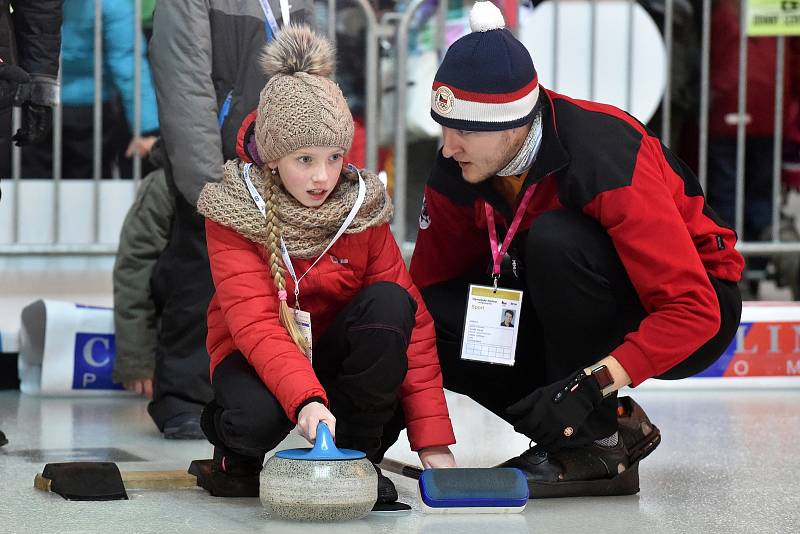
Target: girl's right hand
column 310, row 416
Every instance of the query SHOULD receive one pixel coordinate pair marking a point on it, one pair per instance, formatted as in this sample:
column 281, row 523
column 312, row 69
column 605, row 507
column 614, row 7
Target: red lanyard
column 497, row 253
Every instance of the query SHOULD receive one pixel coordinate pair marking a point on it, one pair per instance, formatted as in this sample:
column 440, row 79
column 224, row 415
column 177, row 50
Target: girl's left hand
column 437, row 457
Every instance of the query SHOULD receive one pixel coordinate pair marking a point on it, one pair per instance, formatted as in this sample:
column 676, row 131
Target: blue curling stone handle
column 324, row 449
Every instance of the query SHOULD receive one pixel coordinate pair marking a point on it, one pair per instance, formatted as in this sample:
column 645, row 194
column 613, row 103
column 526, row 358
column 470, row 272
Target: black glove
column 36, row 124
column 552, row 415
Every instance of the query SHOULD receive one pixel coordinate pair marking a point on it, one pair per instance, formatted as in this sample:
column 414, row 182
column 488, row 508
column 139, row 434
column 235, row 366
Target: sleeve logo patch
column 424, row 216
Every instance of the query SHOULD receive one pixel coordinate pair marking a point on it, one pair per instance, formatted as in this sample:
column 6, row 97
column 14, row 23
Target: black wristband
column 306, row 402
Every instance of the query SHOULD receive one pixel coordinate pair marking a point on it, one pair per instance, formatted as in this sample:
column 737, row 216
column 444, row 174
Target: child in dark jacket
column 302, row 257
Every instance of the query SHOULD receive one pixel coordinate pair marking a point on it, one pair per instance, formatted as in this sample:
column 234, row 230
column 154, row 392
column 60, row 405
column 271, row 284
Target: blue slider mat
column 473, row 488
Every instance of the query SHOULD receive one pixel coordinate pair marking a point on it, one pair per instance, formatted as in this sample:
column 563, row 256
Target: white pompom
column 485, row 16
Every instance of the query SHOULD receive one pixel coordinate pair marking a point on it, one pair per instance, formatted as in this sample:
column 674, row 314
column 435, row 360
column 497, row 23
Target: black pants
column 77, row 146
column 578, row 306
column 360, row 361
column 182, row 288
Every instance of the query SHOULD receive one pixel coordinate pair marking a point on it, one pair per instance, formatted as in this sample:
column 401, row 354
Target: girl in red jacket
column 315, row 317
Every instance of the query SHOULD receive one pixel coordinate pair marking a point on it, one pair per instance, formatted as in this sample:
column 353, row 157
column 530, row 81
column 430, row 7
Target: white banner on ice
column 67, row 349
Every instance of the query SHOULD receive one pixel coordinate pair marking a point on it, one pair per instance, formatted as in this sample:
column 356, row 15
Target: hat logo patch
column 444, row 100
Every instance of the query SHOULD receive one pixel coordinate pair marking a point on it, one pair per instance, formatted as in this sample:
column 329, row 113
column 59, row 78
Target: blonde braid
column 276, row 270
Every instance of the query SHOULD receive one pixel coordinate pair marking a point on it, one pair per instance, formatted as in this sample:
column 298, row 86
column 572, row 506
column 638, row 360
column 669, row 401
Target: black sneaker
column 641, row 437
column 591, row 470
column 184, row 426
column 228, row 474
column 3, row 439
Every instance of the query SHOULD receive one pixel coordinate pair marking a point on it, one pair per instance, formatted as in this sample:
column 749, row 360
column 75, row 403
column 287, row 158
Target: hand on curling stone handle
column 310, row 416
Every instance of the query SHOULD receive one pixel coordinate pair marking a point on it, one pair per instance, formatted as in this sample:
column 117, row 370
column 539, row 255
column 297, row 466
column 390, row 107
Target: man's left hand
column 552, row 414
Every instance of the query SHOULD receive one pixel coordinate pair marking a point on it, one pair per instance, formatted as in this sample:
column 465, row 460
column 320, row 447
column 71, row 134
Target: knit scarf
column 528, row 152
column 306, row 231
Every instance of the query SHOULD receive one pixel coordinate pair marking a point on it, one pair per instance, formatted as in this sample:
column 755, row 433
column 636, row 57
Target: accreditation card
column 491, row 325
column 303, row 321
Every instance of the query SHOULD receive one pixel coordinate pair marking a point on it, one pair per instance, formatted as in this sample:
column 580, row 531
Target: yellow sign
column 773, row 17
column 500, row 293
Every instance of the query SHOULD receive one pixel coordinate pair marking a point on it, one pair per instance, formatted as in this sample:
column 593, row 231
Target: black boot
column 228, row 474
column 183, row 426
column 3, row 439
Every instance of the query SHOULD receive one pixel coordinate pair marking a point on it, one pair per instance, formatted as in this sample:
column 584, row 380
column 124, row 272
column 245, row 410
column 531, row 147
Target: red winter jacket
column 600, row 161
column 243, row 315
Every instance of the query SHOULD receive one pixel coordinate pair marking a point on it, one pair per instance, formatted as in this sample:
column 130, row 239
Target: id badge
column 303, row 321
column 491, row 325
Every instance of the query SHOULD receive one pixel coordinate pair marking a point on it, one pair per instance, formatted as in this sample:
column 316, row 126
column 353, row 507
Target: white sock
column 610, row 441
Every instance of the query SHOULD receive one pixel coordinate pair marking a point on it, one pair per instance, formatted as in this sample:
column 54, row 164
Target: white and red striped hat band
column 466, row 110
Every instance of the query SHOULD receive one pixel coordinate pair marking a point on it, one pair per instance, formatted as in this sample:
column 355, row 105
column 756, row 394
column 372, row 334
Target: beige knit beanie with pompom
column 300, row 106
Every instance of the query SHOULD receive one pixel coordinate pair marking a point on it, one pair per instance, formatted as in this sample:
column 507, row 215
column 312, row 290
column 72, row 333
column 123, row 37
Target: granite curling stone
column 320, row 484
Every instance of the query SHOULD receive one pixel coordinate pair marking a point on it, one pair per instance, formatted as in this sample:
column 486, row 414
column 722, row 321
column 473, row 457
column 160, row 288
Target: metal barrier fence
column 394, row 28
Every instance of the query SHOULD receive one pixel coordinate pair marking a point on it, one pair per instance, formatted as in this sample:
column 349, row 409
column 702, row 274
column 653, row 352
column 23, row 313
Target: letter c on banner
column 88, row 350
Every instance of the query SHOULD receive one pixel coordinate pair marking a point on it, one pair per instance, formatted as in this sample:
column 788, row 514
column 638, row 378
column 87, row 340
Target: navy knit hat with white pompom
column 486, row 81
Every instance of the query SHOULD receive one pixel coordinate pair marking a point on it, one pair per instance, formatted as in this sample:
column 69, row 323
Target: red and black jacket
column 598, row 160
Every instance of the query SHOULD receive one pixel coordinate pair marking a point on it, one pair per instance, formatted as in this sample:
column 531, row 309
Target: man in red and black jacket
column 626, row 273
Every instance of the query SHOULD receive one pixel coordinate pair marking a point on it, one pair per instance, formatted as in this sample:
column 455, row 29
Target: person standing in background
column 77, row 97
column 204, row 55
column 30, row 42
column 759, row 126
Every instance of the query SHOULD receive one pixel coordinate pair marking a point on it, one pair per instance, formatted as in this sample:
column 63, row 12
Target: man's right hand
column 310, row 416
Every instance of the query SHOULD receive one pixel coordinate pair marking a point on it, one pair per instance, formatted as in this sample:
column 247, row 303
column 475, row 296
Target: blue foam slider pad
column 473, row 490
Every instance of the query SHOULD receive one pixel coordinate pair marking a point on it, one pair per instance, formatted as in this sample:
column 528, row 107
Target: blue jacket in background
column 77, row 59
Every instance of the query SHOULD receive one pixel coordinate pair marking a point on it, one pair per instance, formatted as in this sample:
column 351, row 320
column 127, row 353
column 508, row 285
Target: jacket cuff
column 41, row 90
column 635, row 363
column 305, row 403
column 430, row 432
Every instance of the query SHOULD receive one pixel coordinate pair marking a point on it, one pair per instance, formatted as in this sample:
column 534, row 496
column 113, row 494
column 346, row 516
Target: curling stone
column 319, row 484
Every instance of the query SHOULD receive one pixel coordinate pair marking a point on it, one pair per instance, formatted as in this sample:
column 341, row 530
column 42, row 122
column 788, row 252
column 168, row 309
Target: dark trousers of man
column 360, row 361
column 578, row 306
column 182, row 288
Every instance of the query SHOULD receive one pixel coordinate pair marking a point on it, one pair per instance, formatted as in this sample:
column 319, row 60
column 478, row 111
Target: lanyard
column 497, row 253
column 270, row 31
column 270, row 16
column 362, row 192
